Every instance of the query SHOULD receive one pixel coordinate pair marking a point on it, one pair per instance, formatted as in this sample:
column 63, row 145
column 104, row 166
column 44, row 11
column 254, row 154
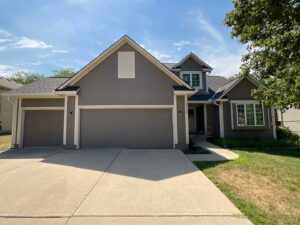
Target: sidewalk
column 217, row 153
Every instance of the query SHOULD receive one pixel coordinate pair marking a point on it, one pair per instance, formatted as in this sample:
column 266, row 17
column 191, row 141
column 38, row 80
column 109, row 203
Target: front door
column 192, row 120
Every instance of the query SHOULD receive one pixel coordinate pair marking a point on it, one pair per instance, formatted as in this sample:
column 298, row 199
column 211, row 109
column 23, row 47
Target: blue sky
column 42, row 36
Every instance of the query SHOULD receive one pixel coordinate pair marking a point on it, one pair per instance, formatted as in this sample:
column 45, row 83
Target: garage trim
column 78, row 107
column 21, row 118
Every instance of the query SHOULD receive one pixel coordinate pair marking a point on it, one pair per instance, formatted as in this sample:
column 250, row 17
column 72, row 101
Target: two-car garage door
column 126, row 128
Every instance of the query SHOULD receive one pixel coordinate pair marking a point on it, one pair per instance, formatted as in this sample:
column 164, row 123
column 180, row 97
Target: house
column 5, row 105
column 291, row 119
column 127, row 98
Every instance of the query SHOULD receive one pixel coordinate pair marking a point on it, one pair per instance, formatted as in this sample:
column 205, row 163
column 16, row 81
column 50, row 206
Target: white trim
column 14, row 123
column 19, row 122
column 111, row 50
column 191, row 78
column 205, row 118
column 65, row 120
column 187, row 137
column 66, row 93
column 273, row 123
column 174, row 121
column 197, row 102
column 231, row 115
column 43, row 108
column 244, row 103
column 126, row 65
column 221, row 119
column 76, row 125
column 125, row 106
column 190, row 92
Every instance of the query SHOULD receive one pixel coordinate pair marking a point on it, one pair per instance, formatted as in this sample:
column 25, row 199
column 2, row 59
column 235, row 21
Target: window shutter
column 126, row 65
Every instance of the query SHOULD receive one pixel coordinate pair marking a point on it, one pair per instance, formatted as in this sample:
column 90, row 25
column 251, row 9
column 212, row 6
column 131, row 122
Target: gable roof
column 9, row 84
column 196, row 58
column 123, row 40
column 222, row 91
column 45, row 86
column 214, row 82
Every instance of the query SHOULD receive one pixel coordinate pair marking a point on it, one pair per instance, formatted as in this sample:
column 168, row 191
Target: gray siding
column 181, row 124
column 43, row 128
column 102, row 86
column 243, row 92
column 55, row 102
column 126, row 128
column 70, row 122
column 6, row 111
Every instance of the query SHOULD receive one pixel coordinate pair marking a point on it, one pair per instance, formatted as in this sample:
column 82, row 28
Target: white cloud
column 180, row 44
column 161, row 56
column 4, row 33
column 25, row 42
column 206, row 26
column 2, row 40
column 59, row 51
column 7, row 70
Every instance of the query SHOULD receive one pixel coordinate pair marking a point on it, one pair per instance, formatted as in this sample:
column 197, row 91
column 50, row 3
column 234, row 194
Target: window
column 126, row 65
column 193, row 78
column 250, row 114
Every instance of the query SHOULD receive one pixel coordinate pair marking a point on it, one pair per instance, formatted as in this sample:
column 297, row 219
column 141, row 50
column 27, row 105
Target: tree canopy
column 26, row 77
column 271, row 31
column 64, row 72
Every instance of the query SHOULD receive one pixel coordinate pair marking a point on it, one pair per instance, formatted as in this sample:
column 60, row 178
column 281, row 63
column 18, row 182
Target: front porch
column 203, row 119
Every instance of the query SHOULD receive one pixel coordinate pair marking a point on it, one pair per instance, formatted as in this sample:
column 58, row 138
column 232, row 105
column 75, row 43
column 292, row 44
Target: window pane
column 186, row 78
column 259, row 115
column 241, row 115
column 250, row 114
column 195, row 80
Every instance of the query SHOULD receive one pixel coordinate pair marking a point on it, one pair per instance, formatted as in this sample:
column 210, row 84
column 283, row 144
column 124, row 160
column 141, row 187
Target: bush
column 283, row 132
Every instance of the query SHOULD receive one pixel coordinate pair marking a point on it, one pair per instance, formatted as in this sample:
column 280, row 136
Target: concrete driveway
column 109, row 187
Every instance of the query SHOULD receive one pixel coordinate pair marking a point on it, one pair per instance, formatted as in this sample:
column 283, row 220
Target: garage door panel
column 43, row 128
column 130, row 128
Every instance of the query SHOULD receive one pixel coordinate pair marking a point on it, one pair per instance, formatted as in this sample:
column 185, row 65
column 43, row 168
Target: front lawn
column 5, row 142
column 263, row 184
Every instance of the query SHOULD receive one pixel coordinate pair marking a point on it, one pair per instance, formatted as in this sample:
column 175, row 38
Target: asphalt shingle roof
column 9, row 84
column 45, row 85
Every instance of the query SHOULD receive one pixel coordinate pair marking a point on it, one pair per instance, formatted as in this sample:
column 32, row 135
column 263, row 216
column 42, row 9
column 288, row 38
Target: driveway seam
column 43, row 158
column 92, row 188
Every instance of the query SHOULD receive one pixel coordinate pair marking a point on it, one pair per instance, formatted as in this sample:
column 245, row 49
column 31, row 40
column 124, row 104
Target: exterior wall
column 6, row 113
column 149, row 87
column 213, row 119
column 57, row 102
column 291, row 119
column 70, row 123
column 243, row 92
column 191, row 65
column 181, row 124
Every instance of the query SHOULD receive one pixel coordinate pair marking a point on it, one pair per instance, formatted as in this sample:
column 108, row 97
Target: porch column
column 221, row 119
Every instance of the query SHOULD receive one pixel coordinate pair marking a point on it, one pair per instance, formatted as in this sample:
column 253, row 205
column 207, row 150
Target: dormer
column 193, row 71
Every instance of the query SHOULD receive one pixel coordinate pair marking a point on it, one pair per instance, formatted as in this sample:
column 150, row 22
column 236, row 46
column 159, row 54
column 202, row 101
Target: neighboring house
column 5, row 105
column 126, row 98
column 290, row 119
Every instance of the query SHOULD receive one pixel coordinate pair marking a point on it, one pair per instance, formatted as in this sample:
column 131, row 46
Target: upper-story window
column 193, row 78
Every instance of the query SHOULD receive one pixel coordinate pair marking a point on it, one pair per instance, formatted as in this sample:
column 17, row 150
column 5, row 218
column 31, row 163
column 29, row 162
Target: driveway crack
column 89, row 192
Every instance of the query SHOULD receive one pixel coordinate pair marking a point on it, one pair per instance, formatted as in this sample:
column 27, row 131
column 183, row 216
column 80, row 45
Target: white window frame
column 245, row 114
column 191, row 78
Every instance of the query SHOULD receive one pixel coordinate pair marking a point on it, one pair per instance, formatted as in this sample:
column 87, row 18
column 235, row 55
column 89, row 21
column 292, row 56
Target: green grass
column 5, row 142
column 263, row 184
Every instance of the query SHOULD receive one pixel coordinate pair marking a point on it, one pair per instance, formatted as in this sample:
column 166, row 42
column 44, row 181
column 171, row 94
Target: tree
column 271, row 30
column 64, row 72
column 26, row 77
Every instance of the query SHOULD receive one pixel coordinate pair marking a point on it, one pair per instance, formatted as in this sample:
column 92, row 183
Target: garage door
column 43, row 128
column 126, row 128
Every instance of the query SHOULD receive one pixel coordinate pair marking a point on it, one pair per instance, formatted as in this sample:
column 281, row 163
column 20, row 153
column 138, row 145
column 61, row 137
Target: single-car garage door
column 43, row 128
column 126, row 128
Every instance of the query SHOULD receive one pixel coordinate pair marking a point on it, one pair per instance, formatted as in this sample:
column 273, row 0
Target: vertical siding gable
column 102, row 86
